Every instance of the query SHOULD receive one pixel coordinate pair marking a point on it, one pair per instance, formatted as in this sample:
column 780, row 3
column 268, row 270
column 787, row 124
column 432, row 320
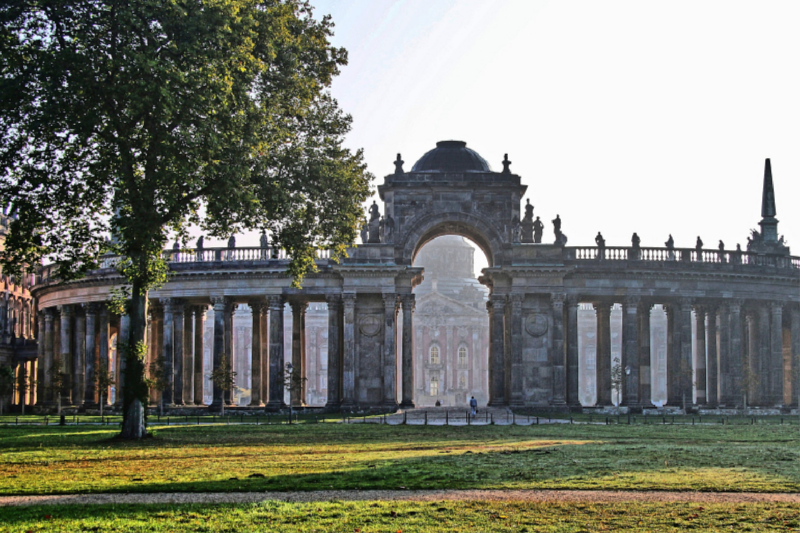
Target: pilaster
column 514, row 315
column 630, row 353
column 408, row 304
column 603, row 353
column 390, row 351
column 558, row 354
column 276, row 367
column 349, row 355
column 334, row 351
column 573, row 357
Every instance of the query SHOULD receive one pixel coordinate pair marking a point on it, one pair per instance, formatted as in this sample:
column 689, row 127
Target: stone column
column 276, row 353
column 795, row 330
column 514, row 323
column 603, row 353
column 188, row 357
column 230, row 310
column 177, row 354
column 776, row 356
column 67, row 313
column 265, row 353
column 167, row 353
column 408, row 301
column 90, row 387
column 199, row 352
column 700, row 376
column 103, row 349
column 645, row 357
column 40, row 365
column 712, row 362
column 79, row 360
column 762, row 365
column 558, row 359
column 673, row 355
column 497, row 377
column 257, row 308
column 630, row 353
column 297, row 394
column 731, row 366
column 219, row 348
column 685, row 320
column 389, row 350
column 573, row 355
column 49, row 355
column 349, row 355
column 334, row 351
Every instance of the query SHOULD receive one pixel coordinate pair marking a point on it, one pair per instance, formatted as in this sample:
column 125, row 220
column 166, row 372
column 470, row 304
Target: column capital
column 602, row 307
column 632, row 301
column 390, row 300
column 333, row 301
column 516, row 300
column 257, row 306
column 408, row 301
column 66, row 310
column 276, row 302
column 349, row 300
column 200, row 309
column 298, row 307
column 686, row 304
column 734, row 305
column 776, row 306
column 573, row 300
column 557, row 300
column 49, row 313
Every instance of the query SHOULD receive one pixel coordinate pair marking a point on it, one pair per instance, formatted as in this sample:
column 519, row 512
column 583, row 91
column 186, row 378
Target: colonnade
column 75, row 343
column 743, row 352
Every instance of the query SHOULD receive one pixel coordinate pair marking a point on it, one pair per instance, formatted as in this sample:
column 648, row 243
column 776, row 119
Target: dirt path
column 554, row 496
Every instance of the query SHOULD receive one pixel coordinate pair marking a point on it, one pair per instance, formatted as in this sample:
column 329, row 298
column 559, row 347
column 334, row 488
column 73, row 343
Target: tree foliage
column 138, row 118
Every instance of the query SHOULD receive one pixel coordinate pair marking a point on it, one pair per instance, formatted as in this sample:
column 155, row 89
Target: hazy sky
column 653, row 117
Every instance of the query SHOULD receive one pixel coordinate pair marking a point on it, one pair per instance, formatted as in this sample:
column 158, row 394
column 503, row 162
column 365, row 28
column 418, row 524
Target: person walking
column 473, row 406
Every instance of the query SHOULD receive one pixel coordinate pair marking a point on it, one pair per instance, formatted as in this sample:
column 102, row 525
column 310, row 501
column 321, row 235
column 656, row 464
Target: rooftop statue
column 264, row 240
column 398, row 165
column 526, row 226
column 232, row 242
column 538, row 229
column 561, row 239
column 506, row 165
column 374, row 227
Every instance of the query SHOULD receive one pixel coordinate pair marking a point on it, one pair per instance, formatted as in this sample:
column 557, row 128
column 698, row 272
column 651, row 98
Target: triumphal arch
column 745, row 305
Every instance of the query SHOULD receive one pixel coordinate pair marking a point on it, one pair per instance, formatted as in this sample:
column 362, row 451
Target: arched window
column 435, row 355
column 434, row 386
column 462, row 356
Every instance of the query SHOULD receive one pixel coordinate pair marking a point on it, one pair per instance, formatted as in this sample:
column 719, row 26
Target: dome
column 451, row 156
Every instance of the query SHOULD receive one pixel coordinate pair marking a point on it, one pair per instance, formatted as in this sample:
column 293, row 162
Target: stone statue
column 388, row 229
column 721, row 246
column 398, row 165
column 264, row 240
column 635, row 253
column 699, row 244
column 516, row 230
column 199, row 243
column 561, row 239
column 670, row 244
column 507, row 165
column 365, row 232
column 526, row 226
column 232, row 242
column 600, row 241
column 374, row 227
column 176, row 247
column 538, row 229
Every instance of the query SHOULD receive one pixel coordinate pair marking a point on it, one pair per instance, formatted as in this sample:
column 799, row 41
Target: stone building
column 451, row 326
column 18, row 347
column 732, row 333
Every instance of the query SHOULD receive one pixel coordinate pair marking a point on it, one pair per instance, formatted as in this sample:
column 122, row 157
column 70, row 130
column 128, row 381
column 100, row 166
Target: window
column 435, row 355
column 462, row 356
column 434, row 386
column 462, row 381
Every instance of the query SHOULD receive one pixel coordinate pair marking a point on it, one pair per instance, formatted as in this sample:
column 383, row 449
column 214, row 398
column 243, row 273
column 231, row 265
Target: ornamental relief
column 369, row 325
column 536, row 324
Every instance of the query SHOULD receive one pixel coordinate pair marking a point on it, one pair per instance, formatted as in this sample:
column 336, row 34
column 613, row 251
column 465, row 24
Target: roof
column 451, row 156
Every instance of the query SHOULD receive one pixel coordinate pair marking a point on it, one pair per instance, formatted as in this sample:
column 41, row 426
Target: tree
column 143, row 117
column 155, row 380
column 7, row 385
column 617, row 375
column 294, row 383
column 103, row 378
column 54, row 384
column 223, row 377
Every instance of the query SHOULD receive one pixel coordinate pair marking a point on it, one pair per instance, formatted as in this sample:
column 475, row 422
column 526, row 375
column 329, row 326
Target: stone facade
column 732, row 317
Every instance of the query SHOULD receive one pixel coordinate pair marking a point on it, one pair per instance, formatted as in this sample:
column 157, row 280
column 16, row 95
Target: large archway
column 451, row 325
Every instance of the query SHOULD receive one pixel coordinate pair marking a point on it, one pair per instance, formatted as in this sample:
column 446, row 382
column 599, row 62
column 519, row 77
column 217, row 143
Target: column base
column 273, row 405
column 390, row 404
column 407, row 404
column 216, row 406
column 258, row 403
column 333, row 406
column 500, row 402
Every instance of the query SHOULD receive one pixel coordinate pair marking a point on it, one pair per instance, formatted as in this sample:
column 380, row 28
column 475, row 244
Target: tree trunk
column 134, row 423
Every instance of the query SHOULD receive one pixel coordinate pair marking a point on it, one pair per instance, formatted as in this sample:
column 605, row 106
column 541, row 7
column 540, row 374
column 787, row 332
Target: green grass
column 405, row 517
column 51, row 460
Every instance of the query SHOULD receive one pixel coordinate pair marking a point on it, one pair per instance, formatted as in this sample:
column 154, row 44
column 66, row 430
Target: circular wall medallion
column 369, row 325
column 536, row 324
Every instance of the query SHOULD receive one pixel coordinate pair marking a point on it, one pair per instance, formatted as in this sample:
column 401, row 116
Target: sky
column 653, row 117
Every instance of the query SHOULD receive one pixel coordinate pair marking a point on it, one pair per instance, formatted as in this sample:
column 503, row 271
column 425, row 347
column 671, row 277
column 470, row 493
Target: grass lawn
column 405, row 517
column 49, row 460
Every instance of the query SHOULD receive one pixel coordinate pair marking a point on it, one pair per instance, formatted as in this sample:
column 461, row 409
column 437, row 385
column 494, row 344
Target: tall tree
column 141, row 117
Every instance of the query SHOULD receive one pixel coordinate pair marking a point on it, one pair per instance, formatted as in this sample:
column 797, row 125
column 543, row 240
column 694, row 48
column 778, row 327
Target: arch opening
column 451, row 323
